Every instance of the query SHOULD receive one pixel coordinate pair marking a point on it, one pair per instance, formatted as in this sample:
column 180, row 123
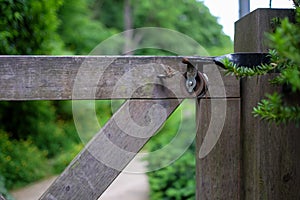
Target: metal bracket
column 196, row 82
column 191, row 74
column 244, row 59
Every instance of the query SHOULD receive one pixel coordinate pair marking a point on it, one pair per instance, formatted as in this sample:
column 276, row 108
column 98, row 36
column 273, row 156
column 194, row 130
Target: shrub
column 176, row 181
column 21, row 162
column 62, row 161
column 284, row 56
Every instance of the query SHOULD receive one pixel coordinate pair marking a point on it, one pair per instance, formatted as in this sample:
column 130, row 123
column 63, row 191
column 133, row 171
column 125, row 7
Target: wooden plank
column 270, row 152
column 250, row 30
column 218, row 149
column 98, row 77
column 219, row 84
column 95, row 168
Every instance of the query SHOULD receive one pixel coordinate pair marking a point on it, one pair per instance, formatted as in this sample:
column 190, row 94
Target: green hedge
column 176, row 181
column 21, row 162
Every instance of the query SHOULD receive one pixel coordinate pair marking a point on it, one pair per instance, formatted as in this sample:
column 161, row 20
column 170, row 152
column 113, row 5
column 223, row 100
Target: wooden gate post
column 270, row 155
column 251, row 159
column 218, row 139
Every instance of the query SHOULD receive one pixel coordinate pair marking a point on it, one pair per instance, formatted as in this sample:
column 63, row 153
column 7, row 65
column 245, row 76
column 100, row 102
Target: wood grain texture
column 104, row 157
column 218, row 173
column 271, row 152
column 271, row 165
column 98, row 77
column 250, row 30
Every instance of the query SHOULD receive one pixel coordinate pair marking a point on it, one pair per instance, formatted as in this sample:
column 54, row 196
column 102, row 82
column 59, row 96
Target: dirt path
column 127, row 186
column 34, row 191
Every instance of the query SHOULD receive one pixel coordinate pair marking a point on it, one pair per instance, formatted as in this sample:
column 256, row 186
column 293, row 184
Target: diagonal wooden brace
column 104, row 157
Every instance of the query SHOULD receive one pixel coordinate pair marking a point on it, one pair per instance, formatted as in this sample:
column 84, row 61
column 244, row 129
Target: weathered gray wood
column 271, row 162
column 97, row 77
column 217, row 143
column 218, row 172
column 95, row 168
column 250, row 30
column 270, row 152
column 219, row 84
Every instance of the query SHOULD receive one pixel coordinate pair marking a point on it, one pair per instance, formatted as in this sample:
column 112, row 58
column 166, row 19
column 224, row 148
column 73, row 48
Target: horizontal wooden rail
column 102, row 77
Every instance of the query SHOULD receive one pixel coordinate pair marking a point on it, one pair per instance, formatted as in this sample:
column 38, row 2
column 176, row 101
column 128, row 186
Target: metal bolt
column 161, row 76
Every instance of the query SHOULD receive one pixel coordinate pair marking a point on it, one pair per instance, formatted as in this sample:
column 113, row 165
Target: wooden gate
column 237, row 155
column 149, row 81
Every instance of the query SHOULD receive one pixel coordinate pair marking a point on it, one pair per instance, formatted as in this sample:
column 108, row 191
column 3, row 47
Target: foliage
column 285, row 42
column 110, row 13
column 28, row 125
column 28, row 27
column 186, row 16
column 274, row 109
column 45, row 129
column 14, row 157
column 78, row 30
column 296, row 3
column 241, row 71
column 64, row 120
column 39, row 125
column 61, row 161
column 177, row 180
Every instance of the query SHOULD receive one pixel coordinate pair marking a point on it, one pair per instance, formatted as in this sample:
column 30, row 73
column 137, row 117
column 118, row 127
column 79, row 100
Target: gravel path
column 127, row 186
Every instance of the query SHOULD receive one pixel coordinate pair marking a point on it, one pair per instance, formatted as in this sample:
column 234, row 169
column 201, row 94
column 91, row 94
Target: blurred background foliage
column 177, row 180
column 39, row 138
